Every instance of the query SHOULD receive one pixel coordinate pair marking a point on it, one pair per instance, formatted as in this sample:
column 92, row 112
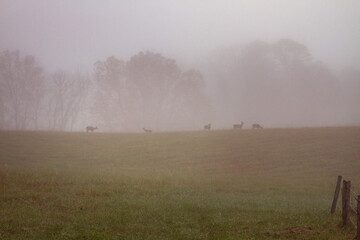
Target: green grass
column 247, row 184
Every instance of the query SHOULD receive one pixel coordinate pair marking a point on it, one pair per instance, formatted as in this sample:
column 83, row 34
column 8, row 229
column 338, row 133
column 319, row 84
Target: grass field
column 245, row 184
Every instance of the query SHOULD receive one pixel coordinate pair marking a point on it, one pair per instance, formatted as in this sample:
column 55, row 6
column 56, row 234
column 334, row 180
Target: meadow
column 223, row 184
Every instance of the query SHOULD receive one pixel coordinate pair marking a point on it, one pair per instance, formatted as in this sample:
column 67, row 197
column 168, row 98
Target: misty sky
column 72, row 35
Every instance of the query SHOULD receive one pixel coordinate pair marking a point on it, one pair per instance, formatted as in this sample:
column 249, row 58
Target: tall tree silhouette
column 21, row 90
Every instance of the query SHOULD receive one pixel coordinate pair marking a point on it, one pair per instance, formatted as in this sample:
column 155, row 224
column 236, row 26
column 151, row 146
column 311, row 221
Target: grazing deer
column 91, row 129
column 238, row 126
column 207, row 127
column 147, row 130
column 256, row 126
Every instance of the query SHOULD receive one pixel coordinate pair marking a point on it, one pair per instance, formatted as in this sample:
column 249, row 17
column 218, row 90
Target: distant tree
column 109, row 104
column 277, row 84
column 110, row 73
column 66, row 97
column 191, row 83
column 21, row 90
column 190, row 103
column 152, row 73
column 290, row 54
column 148, row 90
column 151, row 77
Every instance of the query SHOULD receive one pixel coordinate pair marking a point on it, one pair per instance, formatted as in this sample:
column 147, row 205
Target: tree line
column 147, row 90
column 31, row 99
column 276, row 84
column 280, row 84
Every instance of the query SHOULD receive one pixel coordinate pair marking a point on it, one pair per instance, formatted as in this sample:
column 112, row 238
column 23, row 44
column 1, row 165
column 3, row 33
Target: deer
column 91, row 129
column 238, row 126
column 147, row 130
column 207, row 127
column 256, row 126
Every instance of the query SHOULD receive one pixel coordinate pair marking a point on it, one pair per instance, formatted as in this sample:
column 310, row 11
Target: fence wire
column 353, row 210
column 354, row 193
column 355, row 198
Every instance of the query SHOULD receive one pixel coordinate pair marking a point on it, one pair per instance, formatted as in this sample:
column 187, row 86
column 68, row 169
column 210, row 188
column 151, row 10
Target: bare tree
column 66, row 98
column 21, row 90
column 110, row 105
column 36, row 89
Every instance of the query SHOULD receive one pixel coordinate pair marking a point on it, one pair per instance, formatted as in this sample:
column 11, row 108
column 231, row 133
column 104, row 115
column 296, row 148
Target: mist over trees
column 149, row 91
column 66, row 99
column 33, row 100
column 21, row 91
column 280, row 85
column 275, row 84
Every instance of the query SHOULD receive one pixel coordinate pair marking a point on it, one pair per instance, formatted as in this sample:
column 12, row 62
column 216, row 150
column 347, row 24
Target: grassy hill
column 244, row 184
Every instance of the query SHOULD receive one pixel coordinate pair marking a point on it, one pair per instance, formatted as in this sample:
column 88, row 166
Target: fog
column 178, row 65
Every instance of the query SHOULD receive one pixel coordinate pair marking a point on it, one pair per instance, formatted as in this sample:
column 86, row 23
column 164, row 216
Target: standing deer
column 256, row 126
column 207, row 127
column 147, row 130
column 91, row 129
column 238, row 126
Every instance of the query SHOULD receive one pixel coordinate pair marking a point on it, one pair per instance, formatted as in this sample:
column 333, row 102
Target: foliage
column 148, row 90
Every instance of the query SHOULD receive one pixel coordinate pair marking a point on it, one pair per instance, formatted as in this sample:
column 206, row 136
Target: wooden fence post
column 346, row 203
column 358, row 218
column 336, row 194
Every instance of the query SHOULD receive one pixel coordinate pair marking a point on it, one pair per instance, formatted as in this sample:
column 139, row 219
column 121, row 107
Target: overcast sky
column 70, row 35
